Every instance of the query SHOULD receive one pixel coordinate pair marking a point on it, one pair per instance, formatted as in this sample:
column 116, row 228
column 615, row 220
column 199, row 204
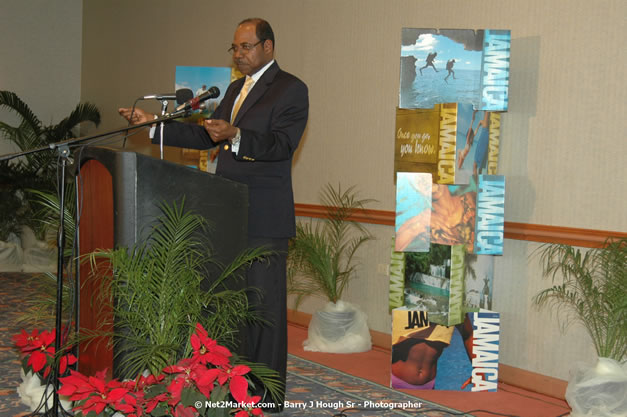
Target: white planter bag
column 338, row 328
column 11, row 254
column 598, row 391
column 33, row 394
column 39, row 256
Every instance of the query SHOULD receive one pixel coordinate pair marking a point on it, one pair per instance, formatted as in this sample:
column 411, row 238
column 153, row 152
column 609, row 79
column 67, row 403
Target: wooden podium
column 120, row 192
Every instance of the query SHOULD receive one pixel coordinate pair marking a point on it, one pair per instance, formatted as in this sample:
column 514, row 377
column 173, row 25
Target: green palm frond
column 40, row 309
column 590, row 288
column 29, row 122
column 84, row 112
column 46, row 208
column 321, row 257
column 272, row 381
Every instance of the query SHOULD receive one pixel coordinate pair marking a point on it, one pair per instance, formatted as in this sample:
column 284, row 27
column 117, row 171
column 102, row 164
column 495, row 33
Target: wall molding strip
column 588, row 238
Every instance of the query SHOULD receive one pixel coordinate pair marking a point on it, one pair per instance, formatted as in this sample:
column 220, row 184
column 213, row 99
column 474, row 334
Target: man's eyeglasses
column 244, row 47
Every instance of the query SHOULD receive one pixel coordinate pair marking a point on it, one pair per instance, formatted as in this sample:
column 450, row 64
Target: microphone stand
column 64, row 153
column 74, row 141
column 63, row 150
column 164, row 109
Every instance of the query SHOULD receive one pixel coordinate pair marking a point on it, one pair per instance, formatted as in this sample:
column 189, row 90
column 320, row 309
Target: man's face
column 251, row 61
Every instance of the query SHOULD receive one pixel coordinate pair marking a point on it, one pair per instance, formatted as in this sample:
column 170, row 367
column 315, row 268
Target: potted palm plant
column 37, row 170
column 321, row 261
column 591, row 288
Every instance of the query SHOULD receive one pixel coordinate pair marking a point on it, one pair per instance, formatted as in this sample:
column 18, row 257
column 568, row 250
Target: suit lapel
column 259, row 89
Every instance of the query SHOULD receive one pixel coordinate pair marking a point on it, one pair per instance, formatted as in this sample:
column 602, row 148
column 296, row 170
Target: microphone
column 194, row 104
column 182, row 95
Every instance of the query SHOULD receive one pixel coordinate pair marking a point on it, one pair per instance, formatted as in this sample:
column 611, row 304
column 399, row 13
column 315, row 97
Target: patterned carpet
column 13, row 287
column 312, row 389
column 323, row 391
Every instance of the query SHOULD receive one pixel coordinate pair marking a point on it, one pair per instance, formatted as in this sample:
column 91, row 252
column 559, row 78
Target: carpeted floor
column 13, row 287
column 312, row 389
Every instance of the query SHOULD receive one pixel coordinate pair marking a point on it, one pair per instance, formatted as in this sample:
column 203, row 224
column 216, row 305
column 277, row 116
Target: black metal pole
column 64, row 152
column 77, row 263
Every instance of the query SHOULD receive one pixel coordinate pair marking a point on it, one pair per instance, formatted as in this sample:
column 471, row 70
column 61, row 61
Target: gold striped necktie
column 242, row 96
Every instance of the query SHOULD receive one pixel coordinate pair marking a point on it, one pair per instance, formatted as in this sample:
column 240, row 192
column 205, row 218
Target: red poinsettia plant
column 38, row 353
column 206, row 384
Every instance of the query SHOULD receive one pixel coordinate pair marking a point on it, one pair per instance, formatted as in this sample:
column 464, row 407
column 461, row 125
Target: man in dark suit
column 257, row 137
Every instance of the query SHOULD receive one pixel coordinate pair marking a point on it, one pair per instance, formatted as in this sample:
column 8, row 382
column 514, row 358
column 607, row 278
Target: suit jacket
column 272, row 120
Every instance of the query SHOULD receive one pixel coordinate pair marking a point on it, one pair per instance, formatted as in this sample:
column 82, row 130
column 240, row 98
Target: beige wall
column 40, row 57
column 563, row 141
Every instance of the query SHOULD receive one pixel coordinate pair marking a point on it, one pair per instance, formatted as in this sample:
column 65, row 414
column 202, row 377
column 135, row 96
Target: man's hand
column 220, row 130
column 139, row 115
